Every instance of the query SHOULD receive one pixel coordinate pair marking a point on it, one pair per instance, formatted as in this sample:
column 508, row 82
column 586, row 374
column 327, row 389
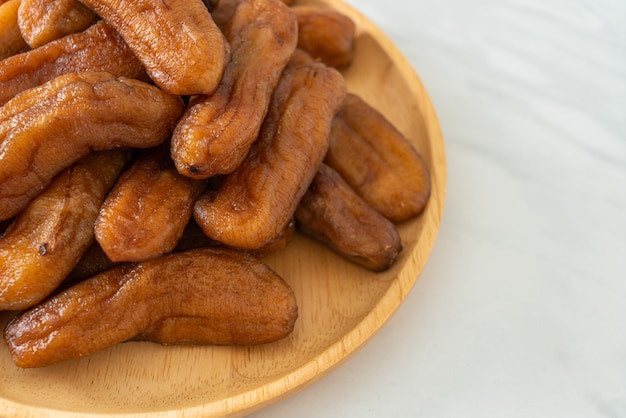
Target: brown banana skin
column 147, row 211
column 326, row 35
column 377, row 161
column 43, row 21
column 334, row 214
column 178, row 42
column 41, row 133
column 98, row 48
column 203, row 296
column 49, row 237
column 216, row 131
column 257, row 201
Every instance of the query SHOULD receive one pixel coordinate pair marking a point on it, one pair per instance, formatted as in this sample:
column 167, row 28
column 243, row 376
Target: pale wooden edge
column 320, row 366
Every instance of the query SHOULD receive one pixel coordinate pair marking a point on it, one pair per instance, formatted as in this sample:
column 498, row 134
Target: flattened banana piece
column 11, row 40
column 216, row 132
column 334, row 214
column 99, row 48
column 177, row 41
column 257, row 201
column 145, row 214
column 325, row 34
column 203, row 296
column 46, row 129
column 377, row 161
column 50, row 236
column 43, row 21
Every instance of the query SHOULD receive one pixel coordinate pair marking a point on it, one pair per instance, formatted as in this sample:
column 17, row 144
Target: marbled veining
column 521, row 310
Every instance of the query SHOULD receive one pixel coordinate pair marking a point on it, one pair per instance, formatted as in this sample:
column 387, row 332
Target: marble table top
column 521, row 310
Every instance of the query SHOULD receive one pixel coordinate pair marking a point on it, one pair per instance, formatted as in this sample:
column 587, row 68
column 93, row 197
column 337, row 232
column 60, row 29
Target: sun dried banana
column 334, row 214
column 204, row 296
column 46, row 129
column 147, row 211
column 216, row 132
column 177, row 41
column 377, row 161
column 49, row 237
column 11, row 40
column 326, row 34
column 99, row 48
column 43, row 21
column 257, row 201
column 95, row 260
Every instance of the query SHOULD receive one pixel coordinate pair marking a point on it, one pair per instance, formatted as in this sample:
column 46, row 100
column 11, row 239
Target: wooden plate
column 341, row 305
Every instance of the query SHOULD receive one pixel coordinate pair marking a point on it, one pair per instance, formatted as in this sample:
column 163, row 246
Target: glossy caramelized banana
column 49, row 237
column 203, row 296
column 99, row 48
column 147, row 211
column 216, row 132
column 325, row 34
column 46, row 129
column 377, row 161
column 11, row 40
column 334, row 214
column 257, row 201
column 43, row 21
column 177, row 41
column 95, row 260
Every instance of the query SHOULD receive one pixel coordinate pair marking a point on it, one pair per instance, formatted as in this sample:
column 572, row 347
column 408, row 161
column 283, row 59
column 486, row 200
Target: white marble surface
column 521, row 310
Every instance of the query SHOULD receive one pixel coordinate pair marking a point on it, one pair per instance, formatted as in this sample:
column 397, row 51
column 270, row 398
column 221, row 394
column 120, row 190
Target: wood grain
column 341, row 305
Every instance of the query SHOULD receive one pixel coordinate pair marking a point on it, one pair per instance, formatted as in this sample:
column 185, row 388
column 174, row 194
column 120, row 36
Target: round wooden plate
column 341, row 305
